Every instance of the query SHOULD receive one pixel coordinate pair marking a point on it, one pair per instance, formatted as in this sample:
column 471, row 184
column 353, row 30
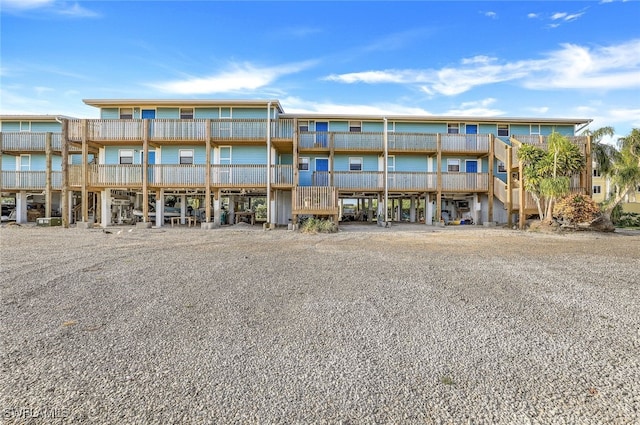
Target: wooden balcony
column 396, row 142
column 315, row 200
column 184, row 176
column 403, row 181
column 176, row 130
column 26, row 142
column 30, row 180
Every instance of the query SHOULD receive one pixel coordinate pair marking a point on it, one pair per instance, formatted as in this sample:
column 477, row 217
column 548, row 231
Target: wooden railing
column 465, row 142
column 500, row 190
column 115, row 175
column 169, row 130
column 176, row 175
column 315, row 200
column 398, row 180
column 282, row 175
column 412, row 141
column 31, row 142
column 362, row 180
column 474, row 182
column 27, row 180
column 356, row 141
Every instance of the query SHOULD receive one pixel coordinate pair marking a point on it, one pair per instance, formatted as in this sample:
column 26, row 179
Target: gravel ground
column 411, row 324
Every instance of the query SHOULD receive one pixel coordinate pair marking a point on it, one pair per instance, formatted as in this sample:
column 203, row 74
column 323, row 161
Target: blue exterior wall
column 171, row 154
column 109, row 113
column 369, row 162
column 36, row 126
column 286, row 159
column 111, row 154
column 372, row 127
column 410, row 163
column 249, row 155
column 414, row 127
column 168, row 113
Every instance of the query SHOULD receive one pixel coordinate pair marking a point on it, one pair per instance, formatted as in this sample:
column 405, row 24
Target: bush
column 629, row 219
column 317, row 225
column 574, row 209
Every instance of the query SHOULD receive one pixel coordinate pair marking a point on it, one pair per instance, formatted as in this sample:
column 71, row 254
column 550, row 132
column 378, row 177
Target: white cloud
column 533, row 15
column 24, row 4
column 492, row 15
column 63, row 8
column 479, row 108
column 570, row 67
column 238, row 77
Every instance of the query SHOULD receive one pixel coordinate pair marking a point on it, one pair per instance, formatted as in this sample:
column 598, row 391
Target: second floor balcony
column 22, row 141
column 402, row 181
column 30, row 180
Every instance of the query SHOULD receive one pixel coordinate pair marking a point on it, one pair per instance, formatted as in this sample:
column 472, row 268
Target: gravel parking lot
column 411, row 324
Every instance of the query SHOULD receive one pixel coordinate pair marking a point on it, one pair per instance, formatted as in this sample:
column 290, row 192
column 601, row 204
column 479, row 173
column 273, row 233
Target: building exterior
column 223, row 161
column 602, row 189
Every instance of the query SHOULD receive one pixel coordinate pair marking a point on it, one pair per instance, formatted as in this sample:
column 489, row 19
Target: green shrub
column 629, row 219
column 317, row 225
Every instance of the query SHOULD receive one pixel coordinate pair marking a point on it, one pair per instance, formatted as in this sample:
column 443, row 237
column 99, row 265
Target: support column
column 491, row 177
column 509, row 205
column 588, row 173
column 47, row 183
column 412, row 209
column 64, row 196
column 232, row 208
column 522, row 193
column 160, row 208
column 145, row 170
column 428, row 209
column 439, row 178
column 370, row 210
column 106, row 208
column 207, row 174
column 21, row 207
column 84, row 202
column 183, row 208
column 216, row 209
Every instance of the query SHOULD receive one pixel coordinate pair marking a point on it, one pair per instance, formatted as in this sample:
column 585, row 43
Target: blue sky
column 503, row 58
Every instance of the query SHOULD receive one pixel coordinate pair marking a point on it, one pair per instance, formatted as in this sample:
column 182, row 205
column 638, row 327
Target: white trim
column 28, row 125
column 478, row 165
column 308, row 162
column 453, row 161
column 355, row 160
column 120, row 156
column 498, row 129
column 19, row 163
column 221, row 158
column 186, row 153
column 391, row 159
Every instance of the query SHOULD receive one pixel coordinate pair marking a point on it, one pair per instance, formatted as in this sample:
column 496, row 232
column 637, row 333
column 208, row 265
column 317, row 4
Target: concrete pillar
column 21, row 207
column 370, row 210
column 232, row 210
column 160, row 208
column 216, row 210
column 106, row 208
column 183, row 208
column 428, row 209
column 412, row 209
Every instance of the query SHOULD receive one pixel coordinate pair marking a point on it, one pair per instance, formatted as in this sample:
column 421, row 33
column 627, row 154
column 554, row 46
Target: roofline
column 182, row 102
column 34, row 117
column 443, row 118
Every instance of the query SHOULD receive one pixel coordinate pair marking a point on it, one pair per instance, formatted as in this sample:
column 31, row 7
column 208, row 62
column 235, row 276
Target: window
column 303, row 126
column 597, row 189
column 303, row 164
column 453, row 128
column 186, row 113
column 453, row 165
column 355, row 164
column 25, row 162
column 596, row 172
column 503, row 130
column 535, row 129
column 126, row 156
column 186, row 156
column 502, row 168
column 126, row 113
column 25, row 125
column 355, row 126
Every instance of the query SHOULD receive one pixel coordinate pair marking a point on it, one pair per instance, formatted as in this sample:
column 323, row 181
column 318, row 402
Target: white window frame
column 122, row 154
column 225, row 158
column 502, row 167
column 597, row 189
column 304, row 163
column 24, row 163
column 125, row 116
column 187, row 113
column 450, row 127
column 303, row 126
column 533, row 128
column 391, row 163
column 452, row 163
column 355, row 126
column 25, row 125
column 357, row 162
column 596, row 173
column 185, row 153
column 508, row 128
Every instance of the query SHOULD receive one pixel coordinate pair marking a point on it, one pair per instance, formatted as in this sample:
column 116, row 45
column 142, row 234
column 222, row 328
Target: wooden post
column 145, row 170
column 521, row 194
column 84, row 202
column 439, row 178
column 0, row 160
column 509, row 187
column 296, row 173
column 589, row 169
column 207, row 174
column 47, row 184
column 64, row 196
column 331, row 155
column 491, row 177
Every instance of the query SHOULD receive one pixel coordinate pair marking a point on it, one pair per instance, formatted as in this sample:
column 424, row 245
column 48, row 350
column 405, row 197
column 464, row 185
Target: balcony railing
column 356, row 141
column 169, row 130
column 463, row 182
column 31, row 142
column 115, row 175
column 315, row 200
column 412, row 141
column 398, row 181
column 30, row 180
column 465, row 142
column 360, row 180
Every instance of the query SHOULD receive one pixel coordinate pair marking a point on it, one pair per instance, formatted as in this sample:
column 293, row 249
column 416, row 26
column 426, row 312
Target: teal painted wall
column 168, row 113
column 255, row 113
column 111, row 155
column 369, row 162
column 36, row 126
column 488, row 129
column 411, row 163
column 9, row 162
column 204, row 113
column 249, row 155
column 520, row 129
column 372, row 127
column 414, row 127
column 286, row 159
column 338, row 126
column 171, row 154
column 109, row 113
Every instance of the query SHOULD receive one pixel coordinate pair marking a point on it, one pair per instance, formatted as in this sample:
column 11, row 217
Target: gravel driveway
column 411, row 324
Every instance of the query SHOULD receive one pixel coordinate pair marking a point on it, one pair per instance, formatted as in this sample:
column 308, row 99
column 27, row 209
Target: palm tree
column 625, row 169
column 547, row 174
column 603, row 153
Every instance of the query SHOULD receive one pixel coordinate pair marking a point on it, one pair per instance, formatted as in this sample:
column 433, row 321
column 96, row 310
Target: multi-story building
column 602, row 189
column 225, row 160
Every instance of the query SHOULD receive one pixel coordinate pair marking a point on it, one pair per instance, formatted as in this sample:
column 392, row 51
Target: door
column 151, row 163
column 391, row 175
column 149, row 114
column 472, row 132
column 321, row 134
column 322, row 172
column 471, row 168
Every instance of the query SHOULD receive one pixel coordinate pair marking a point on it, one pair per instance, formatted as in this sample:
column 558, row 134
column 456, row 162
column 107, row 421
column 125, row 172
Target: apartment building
column 226, row 161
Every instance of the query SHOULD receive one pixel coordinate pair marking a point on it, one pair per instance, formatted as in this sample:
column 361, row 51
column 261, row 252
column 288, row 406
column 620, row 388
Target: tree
column 625, row 169
column 602, row 152
column 547, row 173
